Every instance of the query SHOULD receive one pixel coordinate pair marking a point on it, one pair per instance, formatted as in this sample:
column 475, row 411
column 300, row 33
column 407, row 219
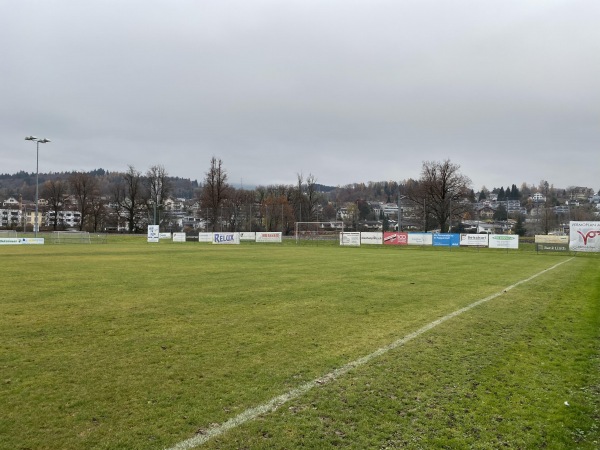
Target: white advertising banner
column 504, row 241
column 420, row 239
column 21, row 241
column 248, row 236
column 178, row 237
column 153, row 233
column 584, row 236
column 551, row 239
column 478, row 240
column 164, row 235
column 205, row 237
column 269, row 236
column 351, row 239
column 371, row 238
column 226, row 238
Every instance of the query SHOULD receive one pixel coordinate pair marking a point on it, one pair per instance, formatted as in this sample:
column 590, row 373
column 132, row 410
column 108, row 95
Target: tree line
column 442, row 196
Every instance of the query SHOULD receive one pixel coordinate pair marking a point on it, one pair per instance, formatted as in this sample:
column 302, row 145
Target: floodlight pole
column 37, row 165
column 400, row 197
column 450, row 214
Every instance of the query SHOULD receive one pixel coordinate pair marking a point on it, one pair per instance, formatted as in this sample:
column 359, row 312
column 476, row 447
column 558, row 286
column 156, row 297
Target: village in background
column 441, row 200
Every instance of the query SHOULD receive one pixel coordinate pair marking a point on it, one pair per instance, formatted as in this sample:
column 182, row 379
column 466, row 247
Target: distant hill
column 23, row 183
column 324, row 189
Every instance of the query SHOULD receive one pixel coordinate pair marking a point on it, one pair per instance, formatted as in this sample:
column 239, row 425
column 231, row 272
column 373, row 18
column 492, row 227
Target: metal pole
column 37, row 165
column 399, row 220
column 401, row 214
column 450, row 214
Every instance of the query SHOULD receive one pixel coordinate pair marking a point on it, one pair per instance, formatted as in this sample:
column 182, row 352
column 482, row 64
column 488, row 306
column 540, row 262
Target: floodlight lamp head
column 43, row 141
column 31, row 138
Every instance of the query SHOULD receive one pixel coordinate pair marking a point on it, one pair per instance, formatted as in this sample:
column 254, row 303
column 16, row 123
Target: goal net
column 318, row 231
column 71, row 237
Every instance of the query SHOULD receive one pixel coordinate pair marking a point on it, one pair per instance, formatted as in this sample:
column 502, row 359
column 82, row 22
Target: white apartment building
column 68, row 219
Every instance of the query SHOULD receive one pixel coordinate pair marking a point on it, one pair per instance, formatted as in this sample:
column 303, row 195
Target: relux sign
column 226, row 238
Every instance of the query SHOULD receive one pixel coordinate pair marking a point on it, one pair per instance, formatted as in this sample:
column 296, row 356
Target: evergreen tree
column 520, row 226
column 500, row 213
column 501, row 194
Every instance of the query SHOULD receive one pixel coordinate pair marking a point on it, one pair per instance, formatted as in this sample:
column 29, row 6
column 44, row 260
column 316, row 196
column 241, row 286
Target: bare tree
column 84, row 187
column 312, row 196
column 547, row 191
column 306, row 198
column 442, row 190
column 298, row 200
column 128, row 194
column 247, row 200
column 215, row 190
column 238, row 209
column 159, row 188
column 278, row 213
column 97, row 214
column 54, row 191
column 117, row 196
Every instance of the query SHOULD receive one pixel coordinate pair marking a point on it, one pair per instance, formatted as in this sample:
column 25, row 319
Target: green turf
column 134, row 345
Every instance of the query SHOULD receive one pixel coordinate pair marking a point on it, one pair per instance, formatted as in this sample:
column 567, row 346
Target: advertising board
column 477, row 240
column 542, row 247
column 395, row 238
column 504, row 241
column 226, row 238
column 248, row 236
column 371, row 238
column 178, row 237
column 153, row 233
column 584, row 236
column 420, row 239
column 551, row 239
column 351, row 238
column 271, row 236
column 21, row 241
column 164, row 235
column 446, row 240
column 205, row 237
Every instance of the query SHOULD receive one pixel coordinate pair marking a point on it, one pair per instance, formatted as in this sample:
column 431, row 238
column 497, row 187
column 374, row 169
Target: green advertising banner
column 552, row 247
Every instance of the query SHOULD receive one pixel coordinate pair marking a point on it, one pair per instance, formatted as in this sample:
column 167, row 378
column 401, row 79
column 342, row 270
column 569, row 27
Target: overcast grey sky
column 350, row 91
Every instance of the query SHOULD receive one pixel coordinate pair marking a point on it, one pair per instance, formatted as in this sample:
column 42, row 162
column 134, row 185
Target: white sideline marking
column 278, row 401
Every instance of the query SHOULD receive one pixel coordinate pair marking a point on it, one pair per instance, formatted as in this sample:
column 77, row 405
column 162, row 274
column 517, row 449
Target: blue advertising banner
column 446, row 240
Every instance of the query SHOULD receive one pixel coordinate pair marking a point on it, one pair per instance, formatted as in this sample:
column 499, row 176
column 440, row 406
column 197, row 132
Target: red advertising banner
column 395, row 238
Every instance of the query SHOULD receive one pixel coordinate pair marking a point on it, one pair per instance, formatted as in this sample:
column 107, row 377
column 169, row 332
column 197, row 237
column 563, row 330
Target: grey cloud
column 347, row 91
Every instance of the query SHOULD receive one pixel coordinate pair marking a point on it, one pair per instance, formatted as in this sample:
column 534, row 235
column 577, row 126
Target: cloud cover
column 347, row 91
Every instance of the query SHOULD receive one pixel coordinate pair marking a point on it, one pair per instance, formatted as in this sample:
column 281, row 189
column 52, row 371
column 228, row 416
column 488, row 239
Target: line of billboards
column 583, row 237
column 433, row 239
column 221, row 238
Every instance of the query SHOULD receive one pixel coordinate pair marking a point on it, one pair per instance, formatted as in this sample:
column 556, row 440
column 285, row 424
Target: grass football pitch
column 131, row 345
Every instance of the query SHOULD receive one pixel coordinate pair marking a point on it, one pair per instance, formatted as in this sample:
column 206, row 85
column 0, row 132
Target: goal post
column 318, row 231
column 71, row 237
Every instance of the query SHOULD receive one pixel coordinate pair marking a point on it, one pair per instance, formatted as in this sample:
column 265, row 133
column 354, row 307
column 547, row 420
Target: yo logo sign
column 589, row 235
